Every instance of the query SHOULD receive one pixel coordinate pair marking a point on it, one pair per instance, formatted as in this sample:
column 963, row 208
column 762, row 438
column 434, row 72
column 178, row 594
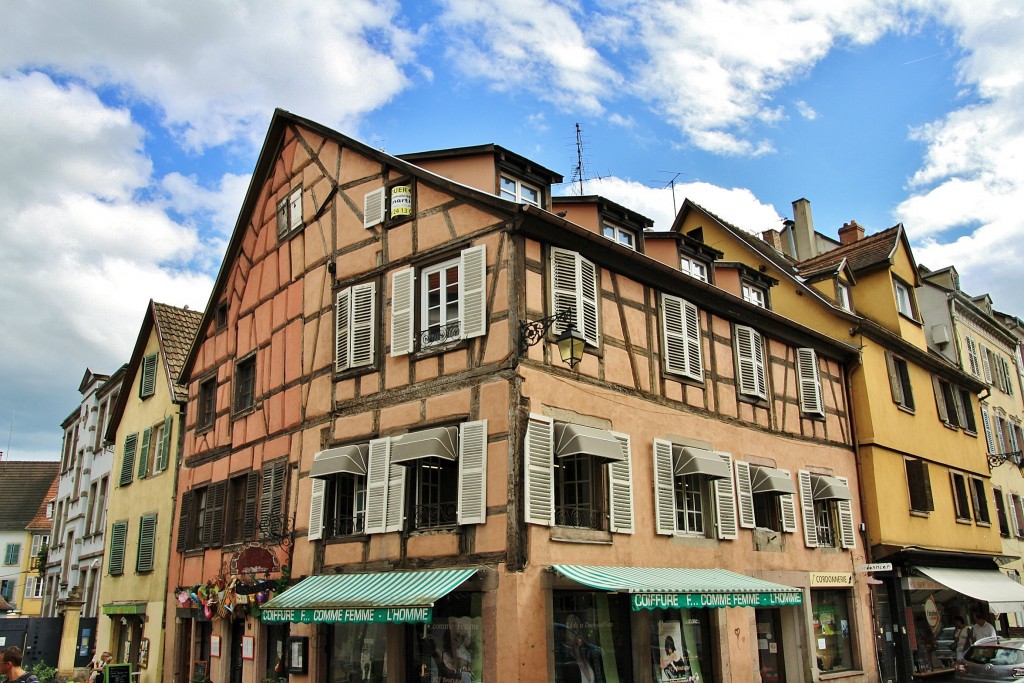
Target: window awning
column 439, row 442
column 573, row 439
column 388, row 597
column 830, row 488
column 1002, row 593
column 699, row 461
column 662, row 588
column 350, row 459
column 770, row 480
column 124, row 608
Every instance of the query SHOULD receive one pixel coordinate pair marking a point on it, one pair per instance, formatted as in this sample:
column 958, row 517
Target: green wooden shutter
column 147, row 436
column 147, row 378
column 118, row 537
column 271, row 498
column 147, row 543
column 131, row 442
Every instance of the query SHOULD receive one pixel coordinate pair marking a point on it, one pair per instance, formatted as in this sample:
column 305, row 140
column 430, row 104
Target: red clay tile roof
column 41, row 522
column 25, row 484
column 177, row 328
column 863, row 253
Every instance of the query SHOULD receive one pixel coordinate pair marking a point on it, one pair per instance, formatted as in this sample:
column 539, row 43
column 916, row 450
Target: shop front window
column 450, row 649
column 930, row 626
column 357, row 653
column 591, row 637
column 276, row 661
column 681, row 645
column 833, row 632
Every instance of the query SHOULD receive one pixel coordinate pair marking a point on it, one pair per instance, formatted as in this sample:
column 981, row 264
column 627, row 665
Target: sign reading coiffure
column 351, row 615
column 643, row 601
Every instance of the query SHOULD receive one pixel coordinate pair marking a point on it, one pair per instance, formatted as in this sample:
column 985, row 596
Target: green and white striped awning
column 671, row 587
column 393, row 597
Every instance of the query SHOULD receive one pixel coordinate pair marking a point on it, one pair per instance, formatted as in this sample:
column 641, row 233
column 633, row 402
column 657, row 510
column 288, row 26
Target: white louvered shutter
column 986, row 364
column 810, row 381
column 574, row 287
column 373, row 208
column 750, row 362
column 363, row 331
column 1011, row 515
column 744, row 494
column 680, row 323
column 473, row 280
column 395, row 516
column 540, row 474
column 972, row 356
column 664, row 489
column 694, row 353
column 847, row 534
column 620, row 489
column 472, row 472
column 998, row 423
column 591, row 301
column 295, row 208
column 807, row 509
column 316, row 510
column 342, row 330
column 725, row 503
column 987, row 426
column 402, row 300
column 377, row 485
column 787, row 506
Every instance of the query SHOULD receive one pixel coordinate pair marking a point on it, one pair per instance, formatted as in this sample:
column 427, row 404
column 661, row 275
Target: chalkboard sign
column 199, row 671
column 117, row 673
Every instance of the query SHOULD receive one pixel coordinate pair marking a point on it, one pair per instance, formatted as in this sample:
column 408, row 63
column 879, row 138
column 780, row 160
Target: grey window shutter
column 213, row 527
column 131, row 442
column 745, row 494
column 363, row 322
column 810, row 381
column 574, row 287
column 620, row 489
column 750, row 362
column 725, row 503
column 787, row 508
column 895, row 384
column 847, row 534
column 664, row 489
column 118, row 539
column 673, row 328
column 402, row 300
column 252, row 490
column 591, row 302
column 540, row 475
column 316, row 510
column 163, row 456
column 473, row 281
column 272, row 498
column 377, row 485
column 807, row 509
column 295, row 208
column 147, row 379
column 373, row 208
column 396, row 499
column 147, row 543
column 183, row 522
column 472, row 507
column 342, row 330
column 147, row 436
column 940, row 400
column 282, row 218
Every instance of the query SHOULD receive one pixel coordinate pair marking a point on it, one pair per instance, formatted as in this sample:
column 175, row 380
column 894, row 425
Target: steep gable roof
column 41, row 522
column 25, row 484
column 869, row 252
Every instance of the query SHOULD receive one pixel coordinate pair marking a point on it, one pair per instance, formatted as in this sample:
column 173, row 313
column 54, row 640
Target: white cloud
column 805, row 110
column 216, row 69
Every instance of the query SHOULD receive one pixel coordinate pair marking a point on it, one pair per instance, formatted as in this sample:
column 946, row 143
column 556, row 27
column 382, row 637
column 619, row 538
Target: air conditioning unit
column 940, row 334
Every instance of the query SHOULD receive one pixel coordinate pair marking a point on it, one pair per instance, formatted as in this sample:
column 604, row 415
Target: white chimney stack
column 803, row 230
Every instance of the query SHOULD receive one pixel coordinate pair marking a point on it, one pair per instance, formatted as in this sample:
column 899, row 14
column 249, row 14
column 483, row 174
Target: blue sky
column 130, row 131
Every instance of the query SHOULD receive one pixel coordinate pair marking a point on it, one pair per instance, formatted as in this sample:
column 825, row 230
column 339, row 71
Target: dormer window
column 904, row 298
column 694, row 268
column 623, row 236
column 843, row 297
column 755, row 295
column 518, row 191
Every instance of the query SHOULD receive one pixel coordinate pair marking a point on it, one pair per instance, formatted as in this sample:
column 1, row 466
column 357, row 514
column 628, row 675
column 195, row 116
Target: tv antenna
column 578, row 173
column 672, row 183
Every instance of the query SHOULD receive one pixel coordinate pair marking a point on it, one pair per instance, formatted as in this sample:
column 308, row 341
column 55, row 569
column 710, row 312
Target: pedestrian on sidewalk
column 10, row 666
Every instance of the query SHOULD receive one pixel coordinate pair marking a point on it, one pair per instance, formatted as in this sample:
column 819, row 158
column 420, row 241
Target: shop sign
column 931, row 612
column 642, row 601
column 919, row 583
column 874, row 567
column 820, row 579
column 348, row 615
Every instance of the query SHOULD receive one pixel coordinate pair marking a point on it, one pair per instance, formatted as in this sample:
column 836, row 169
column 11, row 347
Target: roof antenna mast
column 577, row 174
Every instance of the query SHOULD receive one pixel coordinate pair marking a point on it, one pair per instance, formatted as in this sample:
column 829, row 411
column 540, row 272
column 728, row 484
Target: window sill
column 961, row 520
column 920, row 513
column 203, row 429
column 340, row 540
column 243, row 412
column 948, row 425
column 439, row 349
column 906, row 409
column 349, row 373
column 818, row 417
column 434, row 531
column 752, row 399
column 574, row 535
column 983, row 524
column 685, row 379
column 910, row 319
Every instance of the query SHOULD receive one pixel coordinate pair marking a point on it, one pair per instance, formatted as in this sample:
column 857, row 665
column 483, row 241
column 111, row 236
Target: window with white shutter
column 680, row 324
column 725, row 502
column 986, row 363
column 972, row 356
column 744, row 495
column 847, row 533
column 807, row 509
column 392, row 203
column 620, row 489
column 574, row 286
column 289, row 213
column 377, row 471
column 986, row 424
column 539, row 478
column 664, row 488
column 750, row 373
column 810, row 382
column 472, row 507
column 316, row 509
column 355, row 331
column 694, row 496
column 373, row 207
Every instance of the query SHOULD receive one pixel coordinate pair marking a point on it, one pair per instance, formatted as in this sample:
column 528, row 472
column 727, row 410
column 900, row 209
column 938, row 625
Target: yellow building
column 921, row 450
column 24, row 527
column 144, row 427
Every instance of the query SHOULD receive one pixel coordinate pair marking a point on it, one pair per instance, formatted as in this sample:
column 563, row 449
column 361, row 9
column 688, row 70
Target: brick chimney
column 773, row 237
column 804, row 239
column 851, row 232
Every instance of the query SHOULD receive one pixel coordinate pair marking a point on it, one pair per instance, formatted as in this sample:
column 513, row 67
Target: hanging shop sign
column 350, row 615
column 830, row 579
column 642, row 601
column 255, row 558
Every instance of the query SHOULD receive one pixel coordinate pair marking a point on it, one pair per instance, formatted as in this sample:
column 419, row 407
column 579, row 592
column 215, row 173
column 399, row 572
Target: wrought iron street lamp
column 570, row 343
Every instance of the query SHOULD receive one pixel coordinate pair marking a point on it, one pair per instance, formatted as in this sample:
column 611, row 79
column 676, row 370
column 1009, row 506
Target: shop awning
column 770, row 480
column 830, row 488
column 125, row 608
column 439, row 442
column 573, row 439
column 699, row 461
column 1002, row 593
column 390, row 597
column 350, row 459
column 663, row 588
